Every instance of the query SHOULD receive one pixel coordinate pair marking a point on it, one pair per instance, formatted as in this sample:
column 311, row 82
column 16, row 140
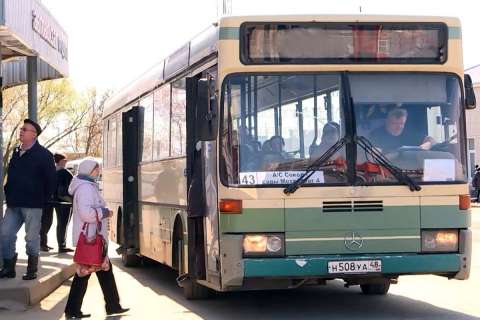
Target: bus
column 282, row 151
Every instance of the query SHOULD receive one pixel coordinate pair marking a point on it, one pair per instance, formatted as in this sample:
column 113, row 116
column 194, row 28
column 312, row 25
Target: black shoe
column 64, row 250
column 76, row 316
column 45, row 248
column 117, row 311
column 8, row 270
column 32, row 268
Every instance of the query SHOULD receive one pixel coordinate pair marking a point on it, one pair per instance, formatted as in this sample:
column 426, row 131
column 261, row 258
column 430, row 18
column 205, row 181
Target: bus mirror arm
column 470, row 100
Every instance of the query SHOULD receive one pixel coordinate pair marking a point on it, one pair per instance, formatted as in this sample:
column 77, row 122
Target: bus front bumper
column 317, row 266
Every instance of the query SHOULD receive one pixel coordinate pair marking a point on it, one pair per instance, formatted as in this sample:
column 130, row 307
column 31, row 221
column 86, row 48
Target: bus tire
column 375, row 288
column 130, row 260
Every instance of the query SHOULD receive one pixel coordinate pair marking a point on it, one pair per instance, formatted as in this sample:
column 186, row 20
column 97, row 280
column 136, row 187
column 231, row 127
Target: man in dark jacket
column 62, row 202
column 30, row 184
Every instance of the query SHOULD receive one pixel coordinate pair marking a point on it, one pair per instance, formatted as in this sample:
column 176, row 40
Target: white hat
column 87, row 165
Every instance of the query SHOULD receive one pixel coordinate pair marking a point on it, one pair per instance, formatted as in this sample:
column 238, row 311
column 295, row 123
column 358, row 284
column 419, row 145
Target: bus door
column 129, row 227
column 203, row 245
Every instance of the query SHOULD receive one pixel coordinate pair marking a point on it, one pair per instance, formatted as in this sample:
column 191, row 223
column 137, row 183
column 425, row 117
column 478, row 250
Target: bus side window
column 161, row 115
column 178, row 121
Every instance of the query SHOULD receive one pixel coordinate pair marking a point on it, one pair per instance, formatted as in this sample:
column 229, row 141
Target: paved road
column 152, row 293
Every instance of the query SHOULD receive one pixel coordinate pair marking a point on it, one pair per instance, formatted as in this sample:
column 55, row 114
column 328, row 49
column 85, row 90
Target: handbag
column 90, row 252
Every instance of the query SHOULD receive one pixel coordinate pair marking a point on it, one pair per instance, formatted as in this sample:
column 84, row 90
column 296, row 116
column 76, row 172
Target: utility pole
column 224, row 8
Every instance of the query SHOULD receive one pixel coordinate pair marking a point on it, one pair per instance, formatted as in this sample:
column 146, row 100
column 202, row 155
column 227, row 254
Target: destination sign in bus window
column 306, row 43
column 278, row 177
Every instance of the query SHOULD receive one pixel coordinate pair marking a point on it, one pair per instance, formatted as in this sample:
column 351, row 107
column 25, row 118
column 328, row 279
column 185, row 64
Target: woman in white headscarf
column 88, row 206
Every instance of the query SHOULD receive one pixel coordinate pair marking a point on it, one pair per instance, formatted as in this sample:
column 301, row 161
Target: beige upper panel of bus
column 229, row 49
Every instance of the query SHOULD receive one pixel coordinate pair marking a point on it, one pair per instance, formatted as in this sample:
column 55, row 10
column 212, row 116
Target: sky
column 112, row 42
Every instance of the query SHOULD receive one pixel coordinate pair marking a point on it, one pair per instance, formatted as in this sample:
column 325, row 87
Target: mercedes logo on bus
column 353, row 241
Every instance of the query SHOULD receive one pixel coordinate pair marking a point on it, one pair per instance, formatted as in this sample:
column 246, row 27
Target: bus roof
column 235, row 21
column 200, row 47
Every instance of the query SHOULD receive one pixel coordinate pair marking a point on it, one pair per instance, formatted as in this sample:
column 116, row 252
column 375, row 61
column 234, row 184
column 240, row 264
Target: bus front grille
column 367, row 206
column 348, row 206
column 337, row 206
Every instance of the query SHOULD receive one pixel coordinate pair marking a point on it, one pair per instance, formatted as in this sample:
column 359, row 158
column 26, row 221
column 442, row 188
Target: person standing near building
column 476, row 183
column 30, row 184
column 62, row 202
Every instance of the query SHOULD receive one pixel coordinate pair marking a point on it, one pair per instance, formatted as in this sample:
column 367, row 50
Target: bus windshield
column 276, row 125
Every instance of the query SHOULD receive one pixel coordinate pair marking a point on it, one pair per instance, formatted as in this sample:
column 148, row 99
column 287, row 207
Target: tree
column 62, row 113
column 88, row 139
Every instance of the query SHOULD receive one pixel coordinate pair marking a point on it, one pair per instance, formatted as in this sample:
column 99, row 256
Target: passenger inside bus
column 273, row 153
column 330, row 136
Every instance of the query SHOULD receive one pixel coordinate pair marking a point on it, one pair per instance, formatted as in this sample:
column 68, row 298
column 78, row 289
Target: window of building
column 471, row 144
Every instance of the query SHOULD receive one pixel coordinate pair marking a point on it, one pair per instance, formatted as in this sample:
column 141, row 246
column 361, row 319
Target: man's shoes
column 117, row 311
column 65, row 250
column 76, row 316
column 32, row 268
column 45, row 248
column 8, row 270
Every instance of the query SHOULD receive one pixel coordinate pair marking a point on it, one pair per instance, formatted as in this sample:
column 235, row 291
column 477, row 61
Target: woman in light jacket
column 88, row 205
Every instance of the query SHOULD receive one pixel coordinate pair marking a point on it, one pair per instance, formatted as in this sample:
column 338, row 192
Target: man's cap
column 35, row 125
column 58, row 157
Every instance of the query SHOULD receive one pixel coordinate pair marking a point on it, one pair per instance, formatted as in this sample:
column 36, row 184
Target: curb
column 19, row 297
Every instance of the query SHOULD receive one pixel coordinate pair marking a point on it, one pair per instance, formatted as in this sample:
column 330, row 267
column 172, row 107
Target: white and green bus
column 281, row 151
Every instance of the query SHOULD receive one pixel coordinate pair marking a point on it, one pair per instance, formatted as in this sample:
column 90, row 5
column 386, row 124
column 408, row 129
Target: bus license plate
column 360, row 266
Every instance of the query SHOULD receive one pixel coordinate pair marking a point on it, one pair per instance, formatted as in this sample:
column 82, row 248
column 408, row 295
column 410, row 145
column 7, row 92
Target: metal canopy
column 14, row 72
column 28, row 29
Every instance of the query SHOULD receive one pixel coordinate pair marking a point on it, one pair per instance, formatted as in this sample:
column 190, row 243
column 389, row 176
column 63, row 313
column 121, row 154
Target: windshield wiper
column 380, row 158
column 311, row 169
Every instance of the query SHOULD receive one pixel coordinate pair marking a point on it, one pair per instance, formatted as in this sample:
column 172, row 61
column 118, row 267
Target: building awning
column 14, row 72
column 28, row 29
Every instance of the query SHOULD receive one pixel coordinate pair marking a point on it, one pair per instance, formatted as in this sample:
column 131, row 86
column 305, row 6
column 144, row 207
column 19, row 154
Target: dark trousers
column 63, row 213
column 79, row 288
column 478, row 195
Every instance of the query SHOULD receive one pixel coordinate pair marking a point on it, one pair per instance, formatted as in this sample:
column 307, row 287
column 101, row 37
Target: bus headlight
column 263, row 245
column 440, row 240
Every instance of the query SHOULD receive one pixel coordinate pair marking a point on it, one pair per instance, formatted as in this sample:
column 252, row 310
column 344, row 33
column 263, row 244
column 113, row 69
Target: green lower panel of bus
column 317, row 266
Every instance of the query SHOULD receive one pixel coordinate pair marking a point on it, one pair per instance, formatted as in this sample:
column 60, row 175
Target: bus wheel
column 378, row 288
column 130, row 260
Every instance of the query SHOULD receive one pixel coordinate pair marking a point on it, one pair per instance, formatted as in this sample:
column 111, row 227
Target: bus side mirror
column 206, row 116
column 470, row 101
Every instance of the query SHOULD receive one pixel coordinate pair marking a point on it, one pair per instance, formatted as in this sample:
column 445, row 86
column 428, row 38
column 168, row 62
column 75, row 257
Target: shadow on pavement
column 330, row 302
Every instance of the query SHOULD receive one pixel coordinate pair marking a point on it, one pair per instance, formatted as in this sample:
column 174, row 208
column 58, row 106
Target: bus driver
column 391, row 136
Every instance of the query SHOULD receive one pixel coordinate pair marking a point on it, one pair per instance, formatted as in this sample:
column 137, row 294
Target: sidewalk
column 54, row 269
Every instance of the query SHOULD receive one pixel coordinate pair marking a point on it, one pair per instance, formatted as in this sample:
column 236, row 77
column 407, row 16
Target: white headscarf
column 86, row 166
